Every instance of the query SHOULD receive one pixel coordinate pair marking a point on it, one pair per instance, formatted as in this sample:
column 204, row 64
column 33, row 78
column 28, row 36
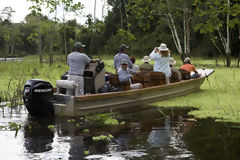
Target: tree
column 8, row 30
column 174, row 13
column 38, row 23
column 218, row 18
column 69, row 5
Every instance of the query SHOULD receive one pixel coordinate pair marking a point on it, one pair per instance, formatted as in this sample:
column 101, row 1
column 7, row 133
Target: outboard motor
column 38, row 97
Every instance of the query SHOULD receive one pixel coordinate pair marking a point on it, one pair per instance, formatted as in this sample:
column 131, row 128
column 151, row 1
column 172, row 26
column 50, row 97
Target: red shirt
column 188, row 67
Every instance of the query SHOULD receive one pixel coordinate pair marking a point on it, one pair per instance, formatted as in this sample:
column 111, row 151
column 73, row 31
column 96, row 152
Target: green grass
column 218, row 97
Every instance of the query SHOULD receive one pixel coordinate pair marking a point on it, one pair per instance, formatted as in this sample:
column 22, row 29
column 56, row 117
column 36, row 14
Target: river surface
column 147, row 134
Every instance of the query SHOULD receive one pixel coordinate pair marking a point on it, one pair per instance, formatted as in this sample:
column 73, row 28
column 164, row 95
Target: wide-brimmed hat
column 124, row 61
column 172, row 61
column 146, row 59
column 163, row 47
column 79, row 45
column 187, row 59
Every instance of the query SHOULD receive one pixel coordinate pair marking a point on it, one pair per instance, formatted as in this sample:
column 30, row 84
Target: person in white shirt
column 161, row 57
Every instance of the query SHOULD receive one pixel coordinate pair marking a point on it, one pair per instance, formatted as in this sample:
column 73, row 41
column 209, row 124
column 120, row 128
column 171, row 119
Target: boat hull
column 79, row 105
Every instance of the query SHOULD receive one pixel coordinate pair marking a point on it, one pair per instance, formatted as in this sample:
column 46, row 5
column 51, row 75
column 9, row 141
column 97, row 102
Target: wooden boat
column 79, row 105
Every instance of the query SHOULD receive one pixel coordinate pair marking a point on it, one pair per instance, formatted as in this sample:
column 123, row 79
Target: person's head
column 187, row 60
column 172, row 61
column 146, row 59
column 164, row 50
column 123, row 48
column 124, row 64
column 79, row 47
column 132, row 59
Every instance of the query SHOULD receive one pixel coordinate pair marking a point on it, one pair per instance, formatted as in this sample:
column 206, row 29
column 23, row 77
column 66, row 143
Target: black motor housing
column 38, row 97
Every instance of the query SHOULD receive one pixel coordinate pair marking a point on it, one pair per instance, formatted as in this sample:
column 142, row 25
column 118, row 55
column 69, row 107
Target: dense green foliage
column 189, row 27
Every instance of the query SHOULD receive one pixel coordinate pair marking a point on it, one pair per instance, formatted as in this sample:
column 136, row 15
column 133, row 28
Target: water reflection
column 147, row 134
column 38, row 137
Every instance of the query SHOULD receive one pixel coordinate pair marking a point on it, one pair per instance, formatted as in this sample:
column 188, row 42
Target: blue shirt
column 124, row 75
column 117, row 60
column 161, row 63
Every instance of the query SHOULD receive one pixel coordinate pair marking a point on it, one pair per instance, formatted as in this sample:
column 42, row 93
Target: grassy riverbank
column 218, row 97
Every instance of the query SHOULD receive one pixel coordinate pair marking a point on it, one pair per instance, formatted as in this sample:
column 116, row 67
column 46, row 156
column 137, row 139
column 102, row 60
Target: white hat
column 163, row 47
column 146, row 59
column 187, row 59
column 172, row 61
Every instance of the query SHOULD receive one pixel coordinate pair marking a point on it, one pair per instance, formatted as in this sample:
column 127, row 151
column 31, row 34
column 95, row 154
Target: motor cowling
column 38, row 97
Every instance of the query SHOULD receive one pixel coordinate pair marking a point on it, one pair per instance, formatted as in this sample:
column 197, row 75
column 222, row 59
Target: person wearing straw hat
column 126, row 74
column 173, row 69
column 190, row 68
column 146, row 66
column 161, row 57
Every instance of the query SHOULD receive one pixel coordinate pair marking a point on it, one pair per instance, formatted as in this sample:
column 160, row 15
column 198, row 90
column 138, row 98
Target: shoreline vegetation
column 218, row 97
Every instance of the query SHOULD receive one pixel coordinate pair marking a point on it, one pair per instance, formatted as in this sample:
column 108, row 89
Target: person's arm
column 130, row 64
column 154, row 55
column 115, row 64
column 194, row 70
column 132, row 72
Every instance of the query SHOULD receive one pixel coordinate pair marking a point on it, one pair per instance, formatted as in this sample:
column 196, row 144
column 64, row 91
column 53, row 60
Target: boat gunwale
column 132, row 92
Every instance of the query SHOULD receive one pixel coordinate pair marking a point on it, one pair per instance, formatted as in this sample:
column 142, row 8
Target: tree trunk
column 6, row 50
column 39, row 47
column 103, row 8
column 227, row 45
column 94, row 14
column 238, row 59
column 12, row 43
column 65, row 34
column 172, row 26
column 65, row 40
column 51, row 52
column 228, row 58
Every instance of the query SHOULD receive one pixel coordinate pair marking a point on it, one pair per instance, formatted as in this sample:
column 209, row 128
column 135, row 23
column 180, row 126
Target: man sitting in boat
column 161, row 57
column 77, row 60
column 126, row 74
column 189, row 67
column 146, row 66
column 173, row 69
column 122, row 55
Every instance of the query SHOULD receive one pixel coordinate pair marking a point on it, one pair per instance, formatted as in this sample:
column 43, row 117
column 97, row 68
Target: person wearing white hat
column 173, row 69
column 190, row 68
column 146, row 66
column 161, row 57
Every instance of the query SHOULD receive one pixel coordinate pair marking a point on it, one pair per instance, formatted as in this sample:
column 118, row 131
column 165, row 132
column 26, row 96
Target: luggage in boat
column 185, row 74
column 114, row 81
column 157, row 78
column 38, row 97
column 174, row 77
column 94, row 77
column 64, row 77
column 143, row 78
